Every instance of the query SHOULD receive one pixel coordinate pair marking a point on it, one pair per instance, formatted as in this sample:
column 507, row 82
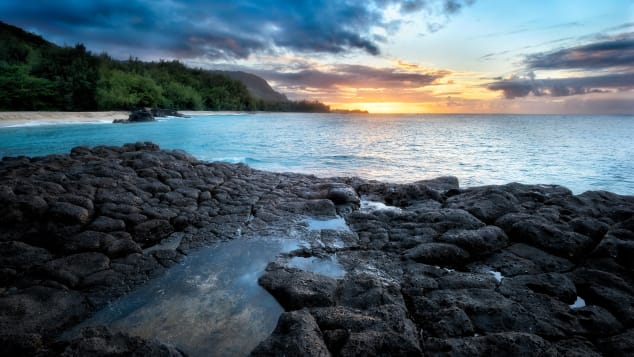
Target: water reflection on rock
column 335, row 224
column 210, row 304
column 328, row 266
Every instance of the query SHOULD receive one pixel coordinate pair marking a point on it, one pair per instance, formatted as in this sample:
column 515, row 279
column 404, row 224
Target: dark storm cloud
column 354, row 76
column 611, row 56
column 614, row 52
column 522, row 87
column 216, row 29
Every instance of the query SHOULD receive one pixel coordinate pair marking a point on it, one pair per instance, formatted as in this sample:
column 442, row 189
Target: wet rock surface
column 431, row 269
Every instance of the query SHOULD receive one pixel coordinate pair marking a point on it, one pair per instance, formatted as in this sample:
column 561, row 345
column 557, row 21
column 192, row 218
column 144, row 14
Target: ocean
column 593, row 152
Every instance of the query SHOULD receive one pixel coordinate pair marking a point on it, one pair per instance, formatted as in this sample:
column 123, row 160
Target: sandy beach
column 26, row 118
column 39, row 118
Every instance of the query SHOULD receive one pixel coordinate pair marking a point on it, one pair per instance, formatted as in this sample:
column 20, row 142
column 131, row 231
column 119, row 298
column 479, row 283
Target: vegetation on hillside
column 38, row 75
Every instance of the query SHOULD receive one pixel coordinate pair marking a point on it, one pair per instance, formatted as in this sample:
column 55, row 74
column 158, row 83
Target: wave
column 236, row 160
column 55, row 123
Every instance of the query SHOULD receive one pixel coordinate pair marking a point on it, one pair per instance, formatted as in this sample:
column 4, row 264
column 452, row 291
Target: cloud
column 356, row 76
column 303, row 79
column 605, row 65
column 529, row 27
column 613, row 52
column 219, row 29
column 517, row 87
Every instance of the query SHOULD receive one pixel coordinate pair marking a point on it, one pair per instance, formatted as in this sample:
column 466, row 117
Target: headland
column 430, row 268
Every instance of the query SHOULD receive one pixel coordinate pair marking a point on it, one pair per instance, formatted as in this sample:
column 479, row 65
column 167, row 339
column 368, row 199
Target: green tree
column 21, row 91
column 126, row 90
column 74, row 72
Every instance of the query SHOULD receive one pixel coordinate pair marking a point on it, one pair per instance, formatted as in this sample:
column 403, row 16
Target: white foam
column 377, row 206
column 56, row 123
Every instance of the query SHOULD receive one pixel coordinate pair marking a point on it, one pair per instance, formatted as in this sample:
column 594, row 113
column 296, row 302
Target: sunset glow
column 441, row 56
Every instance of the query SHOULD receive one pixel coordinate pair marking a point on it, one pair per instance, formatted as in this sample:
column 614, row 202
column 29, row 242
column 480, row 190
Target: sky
column 384, row 56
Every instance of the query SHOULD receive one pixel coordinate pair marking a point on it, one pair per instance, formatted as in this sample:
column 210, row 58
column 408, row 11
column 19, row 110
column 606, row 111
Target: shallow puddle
column 335, row 224
column 210, row 304
column 497, row 275
column 328, row 266
column 579, row 303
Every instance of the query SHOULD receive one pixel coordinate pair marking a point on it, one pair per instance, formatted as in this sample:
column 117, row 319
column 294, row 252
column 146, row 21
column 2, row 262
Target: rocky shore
column 430, row 268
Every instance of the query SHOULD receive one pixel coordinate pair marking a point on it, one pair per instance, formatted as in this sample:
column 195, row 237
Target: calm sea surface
column 579, row 152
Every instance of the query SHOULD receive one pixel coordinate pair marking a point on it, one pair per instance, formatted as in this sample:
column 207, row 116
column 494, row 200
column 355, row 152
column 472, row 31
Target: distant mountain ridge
column 258, row 87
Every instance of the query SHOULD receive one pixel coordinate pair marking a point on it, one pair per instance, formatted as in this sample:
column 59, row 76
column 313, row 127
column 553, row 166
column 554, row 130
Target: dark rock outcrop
column 99, row 341
column 138, row 116
column 295, row 288
column 497, row 270
column 148, row 115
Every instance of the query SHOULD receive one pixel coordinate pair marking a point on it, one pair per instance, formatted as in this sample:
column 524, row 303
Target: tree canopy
column 38, row 75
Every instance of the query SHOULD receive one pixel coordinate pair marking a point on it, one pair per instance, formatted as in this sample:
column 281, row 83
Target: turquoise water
column 580, row 152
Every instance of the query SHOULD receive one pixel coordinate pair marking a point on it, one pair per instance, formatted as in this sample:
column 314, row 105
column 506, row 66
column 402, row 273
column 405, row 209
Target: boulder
column 437, row 254
column 488, row 310
column 140, row 115
column 446, row 219
column 295, row 289
column 343, row 195
column 379, row 330
column 99, row 341
column 618, row 345
column 550, row 237
column 556, row 285
column 365, row 291
column 597, row 321
column 152, row 231
column 42, row 310
column 65, row 212
column 485, row 203
column 478, row 242
column 22, row 256
column 498, row 344
column 69, row 270
column 107, row 224
column 297, row 334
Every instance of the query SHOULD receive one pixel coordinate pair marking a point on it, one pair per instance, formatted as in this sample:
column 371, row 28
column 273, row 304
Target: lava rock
column 297, row 334
column 138, row 116
column 499, row 344
column 79, row 230
column 479, row 242
column 295, row 289
column 485, row 203
column 437, row 254
column 99, row 341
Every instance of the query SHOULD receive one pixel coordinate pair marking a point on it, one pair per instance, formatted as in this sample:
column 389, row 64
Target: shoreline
column 515, row 263
column 29, row 118
column 8, row 119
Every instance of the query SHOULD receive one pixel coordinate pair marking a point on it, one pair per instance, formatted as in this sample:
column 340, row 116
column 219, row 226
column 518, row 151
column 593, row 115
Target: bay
column 592, row 152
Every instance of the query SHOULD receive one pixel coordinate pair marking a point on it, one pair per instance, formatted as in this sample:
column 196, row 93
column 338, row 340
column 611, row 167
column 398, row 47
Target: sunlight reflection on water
column 579, row 152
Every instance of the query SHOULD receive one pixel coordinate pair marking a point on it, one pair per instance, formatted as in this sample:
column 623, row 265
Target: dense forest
column 38, row 75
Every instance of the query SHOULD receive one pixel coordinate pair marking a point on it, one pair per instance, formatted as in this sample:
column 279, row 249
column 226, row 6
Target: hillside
column 38, row 75
column 257, row 86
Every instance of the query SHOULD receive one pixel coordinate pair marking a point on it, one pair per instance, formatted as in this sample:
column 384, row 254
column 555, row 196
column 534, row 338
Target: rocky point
column 430, row 268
